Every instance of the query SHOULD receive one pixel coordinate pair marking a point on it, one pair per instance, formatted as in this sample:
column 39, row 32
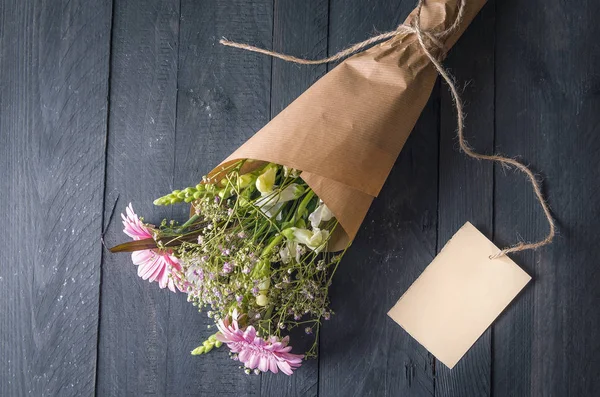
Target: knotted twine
column 429, row 40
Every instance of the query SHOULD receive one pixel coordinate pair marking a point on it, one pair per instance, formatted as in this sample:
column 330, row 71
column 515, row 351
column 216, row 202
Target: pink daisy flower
column 153, row 264
column 255, row 352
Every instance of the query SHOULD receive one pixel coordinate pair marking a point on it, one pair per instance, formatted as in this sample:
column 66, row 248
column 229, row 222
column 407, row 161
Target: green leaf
column 138, row 245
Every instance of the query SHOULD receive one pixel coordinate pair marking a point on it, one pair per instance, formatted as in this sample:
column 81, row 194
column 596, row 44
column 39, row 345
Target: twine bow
column 429, row 40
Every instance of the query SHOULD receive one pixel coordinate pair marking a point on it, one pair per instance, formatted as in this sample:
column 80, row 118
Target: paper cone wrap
column 345, row 132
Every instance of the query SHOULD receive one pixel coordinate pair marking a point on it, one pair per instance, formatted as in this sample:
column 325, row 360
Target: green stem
column 304, row 203
column 268, row 316
column 188, row 223
column 271, row 245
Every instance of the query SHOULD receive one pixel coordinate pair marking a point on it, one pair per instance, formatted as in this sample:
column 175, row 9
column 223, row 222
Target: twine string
column 428, row 41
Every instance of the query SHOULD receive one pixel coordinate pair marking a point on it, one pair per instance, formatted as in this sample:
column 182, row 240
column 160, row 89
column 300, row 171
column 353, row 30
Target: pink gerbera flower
column 153, row 265
column 255, row 352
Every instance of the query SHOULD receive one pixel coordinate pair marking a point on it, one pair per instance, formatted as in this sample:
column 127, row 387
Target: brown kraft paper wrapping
column 345, row 132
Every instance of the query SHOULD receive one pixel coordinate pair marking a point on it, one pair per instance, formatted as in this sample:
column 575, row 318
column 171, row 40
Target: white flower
column 270, row 210
column 303, row 236
column 265, row 284
column 291, row 248
column 300, row 250
column 313, row 239
column 291, row 172
column 262, row 300
column 271, row 203
column 292, row 192
column 266, row 180
column 321, row 214
column 244, row 180
column 284, row 254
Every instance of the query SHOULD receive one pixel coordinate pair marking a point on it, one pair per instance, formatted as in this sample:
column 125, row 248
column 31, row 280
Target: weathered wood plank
column 466, row 185
column 547, row 105
column 363, row 352
column 299, row 28
column 134, row 322
column 53, row 108
column 224, row 97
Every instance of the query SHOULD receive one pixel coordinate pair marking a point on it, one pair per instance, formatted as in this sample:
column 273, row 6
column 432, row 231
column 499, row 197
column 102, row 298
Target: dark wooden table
column 105, row 102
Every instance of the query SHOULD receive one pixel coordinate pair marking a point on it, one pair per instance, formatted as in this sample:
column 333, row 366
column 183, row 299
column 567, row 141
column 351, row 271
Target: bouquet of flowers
column 253, row 254
column 269, row 226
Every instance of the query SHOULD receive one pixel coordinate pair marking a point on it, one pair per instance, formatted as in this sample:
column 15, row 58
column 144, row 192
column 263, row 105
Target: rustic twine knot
column 431, row 41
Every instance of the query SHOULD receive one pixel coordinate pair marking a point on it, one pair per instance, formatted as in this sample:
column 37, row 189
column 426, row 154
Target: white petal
column 284, row 253
column 302, row 236
column 326, row 213
column 265, row 182
column 291, row 192
column 321, row 214
column 318, row 240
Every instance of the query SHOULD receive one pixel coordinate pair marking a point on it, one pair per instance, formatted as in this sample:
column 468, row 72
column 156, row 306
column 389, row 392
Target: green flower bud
column 288, row 233
column 266, row 180
column 262, row 300
column 244, row 180
column 197, row 351
column 207, row 345
column 264, row 285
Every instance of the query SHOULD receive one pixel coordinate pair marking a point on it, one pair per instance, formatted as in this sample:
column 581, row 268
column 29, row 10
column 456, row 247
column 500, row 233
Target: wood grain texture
column 135, row 316
column 53, row 107
column 298, row 28
column 547, row 101
column 224, row 97
column 466, row 185
column 363, row 352
column 178, row 103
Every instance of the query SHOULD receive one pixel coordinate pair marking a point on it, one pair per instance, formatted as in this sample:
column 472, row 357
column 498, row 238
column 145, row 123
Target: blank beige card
column 459, row 295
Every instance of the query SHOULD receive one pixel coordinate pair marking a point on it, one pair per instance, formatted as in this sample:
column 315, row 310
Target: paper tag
column 459, row 295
